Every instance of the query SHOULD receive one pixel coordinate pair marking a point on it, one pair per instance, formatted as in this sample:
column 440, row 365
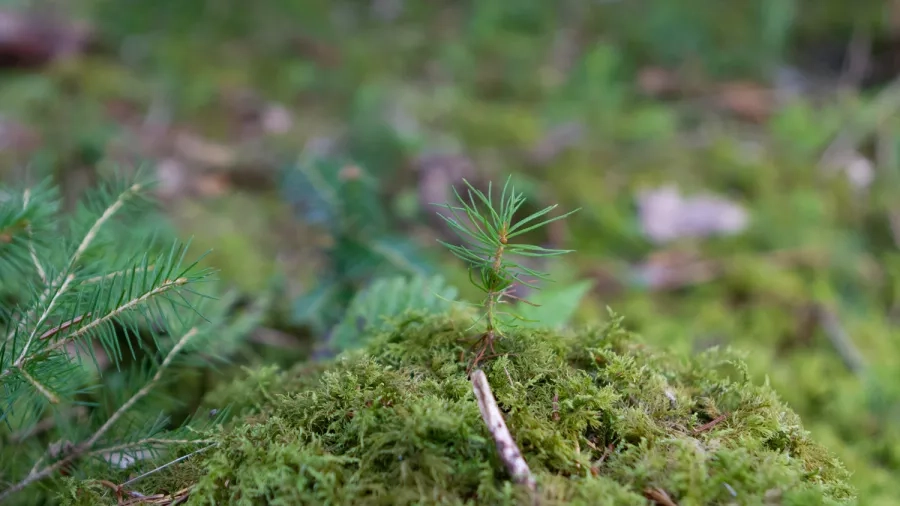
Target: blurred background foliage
column 738, row 165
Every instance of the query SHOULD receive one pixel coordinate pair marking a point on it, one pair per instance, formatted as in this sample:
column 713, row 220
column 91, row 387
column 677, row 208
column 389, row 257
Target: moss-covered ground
column 491, row 84
column 601, row 418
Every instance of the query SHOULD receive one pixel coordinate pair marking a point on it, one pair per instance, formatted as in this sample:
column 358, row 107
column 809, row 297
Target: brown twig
column 709, row 425
column 606, row 453
column 136, row 498
column 506, row 446
column 63, row 326
column 483, row 344
column 659, row 496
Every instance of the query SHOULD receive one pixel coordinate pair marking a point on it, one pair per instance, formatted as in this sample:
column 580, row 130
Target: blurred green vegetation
column 492, row 82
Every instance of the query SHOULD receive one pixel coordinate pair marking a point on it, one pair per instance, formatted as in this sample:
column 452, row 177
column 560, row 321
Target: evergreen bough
column 95, row 314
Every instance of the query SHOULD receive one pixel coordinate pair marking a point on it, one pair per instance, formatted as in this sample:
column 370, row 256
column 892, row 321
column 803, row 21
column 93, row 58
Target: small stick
column 709, row 425
column 506, row 447
column 659, row 496
column 63, row 326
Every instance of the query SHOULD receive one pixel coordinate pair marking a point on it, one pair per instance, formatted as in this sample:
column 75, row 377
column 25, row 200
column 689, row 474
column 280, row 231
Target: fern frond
column 373, row 308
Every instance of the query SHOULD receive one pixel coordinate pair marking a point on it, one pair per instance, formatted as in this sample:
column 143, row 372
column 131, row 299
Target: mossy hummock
column 599, row 417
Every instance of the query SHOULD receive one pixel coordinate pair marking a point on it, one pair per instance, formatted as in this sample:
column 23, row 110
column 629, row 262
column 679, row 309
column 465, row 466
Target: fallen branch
column 659, row 497
column 709, row 425
column 506, row 447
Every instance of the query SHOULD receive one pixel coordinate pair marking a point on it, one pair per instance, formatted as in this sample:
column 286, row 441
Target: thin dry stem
column 131, row 304
column 179, row 459
column 506, row 446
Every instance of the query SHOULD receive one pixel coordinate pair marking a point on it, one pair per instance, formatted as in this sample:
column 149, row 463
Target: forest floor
column 728, row 198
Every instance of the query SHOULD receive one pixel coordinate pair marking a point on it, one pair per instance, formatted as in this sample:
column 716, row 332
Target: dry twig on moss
column 506, row 446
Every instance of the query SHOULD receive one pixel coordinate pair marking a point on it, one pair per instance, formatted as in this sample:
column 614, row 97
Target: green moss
column 599, row 416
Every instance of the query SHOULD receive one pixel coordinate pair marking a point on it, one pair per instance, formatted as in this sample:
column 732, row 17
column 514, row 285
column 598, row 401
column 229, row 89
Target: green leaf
column 556, row 305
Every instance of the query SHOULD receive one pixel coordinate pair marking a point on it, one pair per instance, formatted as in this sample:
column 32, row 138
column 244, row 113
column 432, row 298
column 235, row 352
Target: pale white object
column 276, row 119
column 666, row 215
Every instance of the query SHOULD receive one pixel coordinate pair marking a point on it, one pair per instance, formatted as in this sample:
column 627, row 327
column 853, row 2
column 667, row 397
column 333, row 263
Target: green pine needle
column 79, row 290
column 486, row 227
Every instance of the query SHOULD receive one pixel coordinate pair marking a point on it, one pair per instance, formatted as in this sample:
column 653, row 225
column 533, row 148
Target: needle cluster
column 488, row 229
column 84, row 297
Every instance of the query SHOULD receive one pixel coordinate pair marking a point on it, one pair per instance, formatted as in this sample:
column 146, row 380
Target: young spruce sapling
column 487, row 229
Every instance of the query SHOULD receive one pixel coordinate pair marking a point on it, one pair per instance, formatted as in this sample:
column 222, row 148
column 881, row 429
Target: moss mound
column 599, row 417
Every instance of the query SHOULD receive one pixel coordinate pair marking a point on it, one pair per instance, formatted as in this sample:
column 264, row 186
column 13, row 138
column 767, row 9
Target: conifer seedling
column 488, row 229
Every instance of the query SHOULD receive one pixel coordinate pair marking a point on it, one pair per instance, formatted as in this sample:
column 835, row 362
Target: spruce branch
column 84, row 282
column 25, row 357
column 116, row 312
column 44, row 315
column 486, row 229
column 65, row 277
column 87, row 447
